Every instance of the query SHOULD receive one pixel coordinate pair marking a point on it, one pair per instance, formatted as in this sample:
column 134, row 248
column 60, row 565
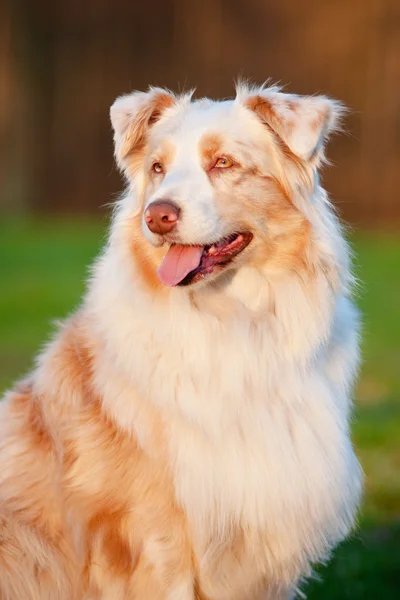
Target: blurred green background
column 61, row 66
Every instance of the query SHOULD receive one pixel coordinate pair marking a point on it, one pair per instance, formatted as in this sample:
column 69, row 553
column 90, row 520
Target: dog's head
column 217, row 185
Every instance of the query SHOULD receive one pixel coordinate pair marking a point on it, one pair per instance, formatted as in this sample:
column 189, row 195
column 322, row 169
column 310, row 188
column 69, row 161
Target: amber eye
column 223, row 163
column 157, row 167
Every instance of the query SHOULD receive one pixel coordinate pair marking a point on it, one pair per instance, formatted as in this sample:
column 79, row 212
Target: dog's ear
column 303, row 123
column 131, row 117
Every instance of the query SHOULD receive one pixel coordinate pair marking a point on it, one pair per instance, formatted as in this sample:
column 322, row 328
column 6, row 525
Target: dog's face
column 215, row 182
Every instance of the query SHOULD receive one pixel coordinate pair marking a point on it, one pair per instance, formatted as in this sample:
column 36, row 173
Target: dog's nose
column 162, row 216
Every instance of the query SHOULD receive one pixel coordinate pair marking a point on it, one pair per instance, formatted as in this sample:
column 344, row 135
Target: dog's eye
column 157, row 167
column 223, row 163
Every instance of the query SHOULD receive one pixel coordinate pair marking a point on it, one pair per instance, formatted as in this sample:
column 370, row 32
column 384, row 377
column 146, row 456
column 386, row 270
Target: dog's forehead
column 200, row 117
column 209, row 111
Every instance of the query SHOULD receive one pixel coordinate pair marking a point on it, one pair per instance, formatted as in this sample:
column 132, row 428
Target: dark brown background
column 62, row 63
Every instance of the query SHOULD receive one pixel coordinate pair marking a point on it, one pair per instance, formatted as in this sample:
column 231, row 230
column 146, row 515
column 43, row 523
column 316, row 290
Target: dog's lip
column 218, row 255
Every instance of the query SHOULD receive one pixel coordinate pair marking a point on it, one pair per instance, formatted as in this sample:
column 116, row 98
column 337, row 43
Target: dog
column 185, row 435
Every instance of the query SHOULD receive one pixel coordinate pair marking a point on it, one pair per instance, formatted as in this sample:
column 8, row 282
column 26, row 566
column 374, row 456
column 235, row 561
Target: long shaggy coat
column 186, row 433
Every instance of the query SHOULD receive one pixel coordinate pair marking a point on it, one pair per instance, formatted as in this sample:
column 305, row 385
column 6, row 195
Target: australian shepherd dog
column 185, row 435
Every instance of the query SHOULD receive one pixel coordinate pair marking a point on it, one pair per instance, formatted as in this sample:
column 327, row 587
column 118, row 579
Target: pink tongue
column 178, row 262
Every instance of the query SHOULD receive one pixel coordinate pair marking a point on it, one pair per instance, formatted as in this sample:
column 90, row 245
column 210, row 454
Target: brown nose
column 161, row 216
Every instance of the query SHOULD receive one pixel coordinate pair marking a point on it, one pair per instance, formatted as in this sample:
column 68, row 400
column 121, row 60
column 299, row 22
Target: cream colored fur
column 228, row 470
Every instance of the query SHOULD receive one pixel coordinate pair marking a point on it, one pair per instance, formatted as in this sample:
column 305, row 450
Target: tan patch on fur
column 135, row 148
column 146, row 116
column 288, row 239
column 281, row 130
column 165, row 154
column 26, row 404
column 115, row 552
column 293, row 106
column 27, row 440
column 146, row 257
column 124, row 495
column 117, row 497
column 290, row 249
column 318, row 123
column 210, row 148
column 264, row 108
column 282, row 234
column 37, row 559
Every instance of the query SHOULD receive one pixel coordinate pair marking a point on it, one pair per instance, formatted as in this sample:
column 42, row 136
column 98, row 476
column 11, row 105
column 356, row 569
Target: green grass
column 43, row 266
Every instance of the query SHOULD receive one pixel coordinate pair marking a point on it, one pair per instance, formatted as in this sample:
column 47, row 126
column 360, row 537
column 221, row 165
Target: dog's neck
column 297, row 317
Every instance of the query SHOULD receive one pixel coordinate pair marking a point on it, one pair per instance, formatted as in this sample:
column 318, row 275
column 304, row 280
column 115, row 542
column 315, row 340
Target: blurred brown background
column 63, row 62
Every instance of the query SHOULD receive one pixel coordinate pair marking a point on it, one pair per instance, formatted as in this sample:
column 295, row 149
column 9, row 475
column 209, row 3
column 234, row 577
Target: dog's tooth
column 212, row 249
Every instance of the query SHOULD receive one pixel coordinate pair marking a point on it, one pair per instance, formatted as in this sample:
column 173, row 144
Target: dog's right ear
column 132, row 116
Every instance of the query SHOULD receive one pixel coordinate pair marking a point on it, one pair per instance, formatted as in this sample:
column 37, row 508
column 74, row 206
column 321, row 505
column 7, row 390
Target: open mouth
column 184, row 265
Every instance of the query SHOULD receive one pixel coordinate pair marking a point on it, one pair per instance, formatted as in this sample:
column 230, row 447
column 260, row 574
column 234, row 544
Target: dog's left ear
column 303, row 123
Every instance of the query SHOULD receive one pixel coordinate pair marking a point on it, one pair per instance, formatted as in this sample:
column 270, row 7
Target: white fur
column 256, row 406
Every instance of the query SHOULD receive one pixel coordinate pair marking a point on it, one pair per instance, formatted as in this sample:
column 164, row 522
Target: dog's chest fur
column 257, row 442
column 258, row 453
